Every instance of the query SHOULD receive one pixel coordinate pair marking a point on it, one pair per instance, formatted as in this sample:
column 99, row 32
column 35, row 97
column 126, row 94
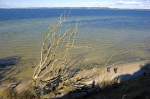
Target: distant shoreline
column 86, row 8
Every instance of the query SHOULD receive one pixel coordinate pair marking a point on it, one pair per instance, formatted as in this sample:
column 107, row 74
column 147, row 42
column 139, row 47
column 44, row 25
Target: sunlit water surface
column 105, row 36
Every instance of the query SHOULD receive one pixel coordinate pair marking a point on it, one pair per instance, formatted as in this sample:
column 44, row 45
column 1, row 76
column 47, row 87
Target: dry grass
column 9, row 93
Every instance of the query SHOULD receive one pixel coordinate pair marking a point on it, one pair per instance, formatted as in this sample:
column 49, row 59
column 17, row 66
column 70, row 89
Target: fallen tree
column 57, row 66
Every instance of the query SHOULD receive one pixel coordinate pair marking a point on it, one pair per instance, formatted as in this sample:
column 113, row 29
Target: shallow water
column 106, row 36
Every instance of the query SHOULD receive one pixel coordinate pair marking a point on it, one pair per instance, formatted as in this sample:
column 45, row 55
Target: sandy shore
column 97, row 75
column 102, row 74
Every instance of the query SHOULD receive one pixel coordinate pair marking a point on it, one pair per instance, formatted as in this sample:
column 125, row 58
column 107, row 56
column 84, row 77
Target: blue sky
column 131, row 4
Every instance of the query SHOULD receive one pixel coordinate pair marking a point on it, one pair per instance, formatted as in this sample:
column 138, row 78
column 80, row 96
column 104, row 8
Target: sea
column 105, row 36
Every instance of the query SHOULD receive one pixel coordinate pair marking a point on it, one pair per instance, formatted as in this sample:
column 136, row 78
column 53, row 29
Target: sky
column 124, row 4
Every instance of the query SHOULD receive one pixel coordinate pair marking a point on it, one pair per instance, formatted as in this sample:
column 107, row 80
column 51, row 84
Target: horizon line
column 76, row 8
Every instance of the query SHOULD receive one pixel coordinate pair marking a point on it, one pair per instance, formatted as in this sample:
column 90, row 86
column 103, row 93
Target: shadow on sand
column 134, row 86
column 145, row 70
column 7, row 63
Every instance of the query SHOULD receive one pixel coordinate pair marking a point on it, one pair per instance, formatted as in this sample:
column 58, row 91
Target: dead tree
column 55, row 62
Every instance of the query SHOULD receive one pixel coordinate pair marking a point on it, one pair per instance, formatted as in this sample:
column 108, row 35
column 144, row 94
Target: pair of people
column 114, row 69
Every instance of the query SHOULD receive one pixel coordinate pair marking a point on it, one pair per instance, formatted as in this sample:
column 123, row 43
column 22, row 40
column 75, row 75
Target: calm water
column 123, row 35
